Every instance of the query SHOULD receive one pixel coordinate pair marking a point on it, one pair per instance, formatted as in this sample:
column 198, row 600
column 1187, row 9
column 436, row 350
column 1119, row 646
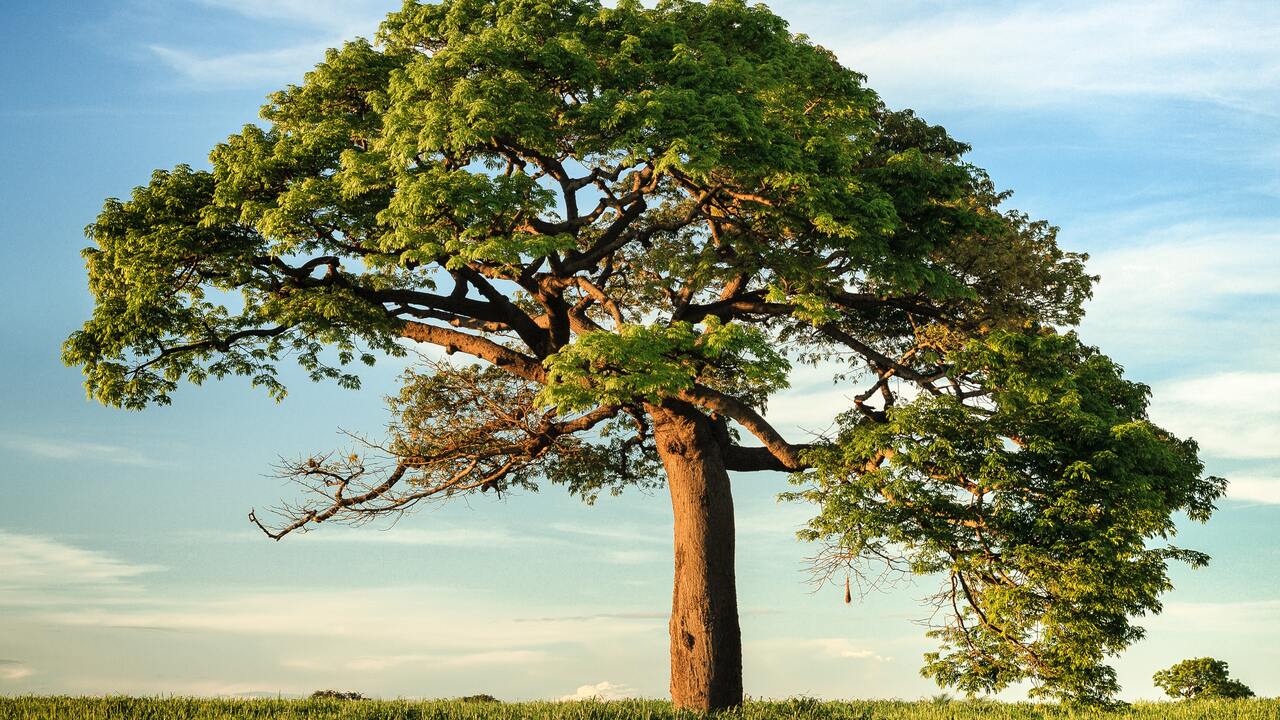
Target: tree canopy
column 625, row 217
column 1200, row 679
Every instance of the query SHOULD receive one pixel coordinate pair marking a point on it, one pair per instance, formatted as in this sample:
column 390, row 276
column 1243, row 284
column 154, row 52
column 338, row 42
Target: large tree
column 631, row 222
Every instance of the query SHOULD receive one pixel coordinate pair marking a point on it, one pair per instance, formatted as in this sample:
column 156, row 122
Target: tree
column 1200, row 678
column 632, row 222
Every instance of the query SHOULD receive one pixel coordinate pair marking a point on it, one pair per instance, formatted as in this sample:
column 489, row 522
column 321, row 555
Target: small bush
column 481, row 698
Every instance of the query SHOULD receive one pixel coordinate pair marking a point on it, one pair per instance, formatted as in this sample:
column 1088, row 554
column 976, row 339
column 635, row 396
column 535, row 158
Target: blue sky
column 1149, row 131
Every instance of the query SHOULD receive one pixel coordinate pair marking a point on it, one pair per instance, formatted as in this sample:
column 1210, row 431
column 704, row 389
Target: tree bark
column 706, row 641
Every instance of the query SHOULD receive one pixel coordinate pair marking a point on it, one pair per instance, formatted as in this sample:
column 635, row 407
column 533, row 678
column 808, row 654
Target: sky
column 1148, row 131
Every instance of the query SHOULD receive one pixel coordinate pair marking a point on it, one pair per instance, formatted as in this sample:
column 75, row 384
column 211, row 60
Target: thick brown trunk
column 706, row 642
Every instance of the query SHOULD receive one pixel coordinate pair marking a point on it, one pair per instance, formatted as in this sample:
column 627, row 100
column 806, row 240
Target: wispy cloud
column 1232, row 415
column 655, row 535
column 490, row 535
column 380, row 663
column 377, row 637
column 810, row 411
column 69, row 449
column 1054, row 54
column 347, row 17
column 1188, row 265
column 598, row 616
column 844, row 649
column 603, row 690
column 13, row 670
column 427, row 620
column 636, row 557
column 1254, row 488
column 810, row 649
column 36, row 569
column 329, row 23
column 242, row 69
column 445, row 536
column 1223, row 619
column 1186, row 296
column 133, row 684
column 614, row 544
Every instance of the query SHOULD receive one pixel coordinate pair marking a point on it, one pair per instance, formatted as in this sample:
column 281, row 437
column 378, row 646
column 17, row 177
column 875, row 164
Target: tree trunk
column 706, row 641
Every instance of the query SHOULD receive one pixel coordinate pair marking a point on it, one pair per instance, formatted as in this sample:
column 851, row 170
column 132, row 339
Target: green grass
column 129, row 708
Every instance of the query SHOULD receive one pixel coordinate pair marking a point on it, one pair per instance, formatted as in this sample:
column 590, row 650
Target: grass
column 128, row 708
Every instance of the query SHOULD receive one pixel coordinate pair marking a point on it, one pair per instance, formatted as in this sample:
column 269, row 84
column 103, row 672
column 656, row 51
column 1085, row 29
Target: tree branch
column 787, row 455
column 476, row 346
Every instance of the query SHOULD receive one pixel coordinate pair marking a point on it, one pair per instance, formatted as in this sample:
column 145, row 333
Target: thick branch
column 740, row 458
column 476, row 346
column 787, row 455
column 496, row 308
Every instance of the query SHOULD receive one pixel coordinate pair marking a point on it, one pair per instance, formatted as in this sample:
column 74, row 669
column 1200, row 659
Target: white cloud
column 33, row 563
column 132, row 684
column 1045, row 54
column 244, row 69
column 806, row 412
column 1184, row 296
column 345, row 17
column 603, row 690
column 330, row 22
column 69, row 449
column 494, row 536
column 427, row 620
column 1186, row 266
column 844, row 649
column 1232, row 415
column 1251, row 488
column 13, row 670
column 447, row 537
column 814, row 650
column 1220, row 619
column 379, row 663
column 599, row 616
column 657, row 535
column 366, row 633
column 636, row 557
column 1026, row 54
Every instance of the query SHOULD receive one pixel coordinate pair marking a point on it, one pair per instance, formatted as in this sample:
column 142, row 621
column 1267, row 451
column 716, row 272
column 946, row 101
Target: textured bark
column 706, row 641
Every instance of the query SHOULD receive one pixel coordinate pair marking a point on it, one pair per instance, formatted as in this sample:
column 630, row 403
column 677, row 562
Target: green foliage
column 651, row 362
column 1200, row 679
column 1038, row 506
column 164, row 278
column 390, row 161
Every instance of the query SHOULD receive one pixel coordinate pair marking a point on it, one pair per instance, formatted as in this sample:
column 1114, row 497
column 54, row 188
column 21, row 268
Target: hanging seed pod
column 848, row 596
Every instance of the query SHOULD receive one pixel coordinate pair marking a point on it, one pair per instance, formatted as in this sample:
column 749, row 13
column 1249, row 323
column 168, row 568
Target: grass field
column 128, row 708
